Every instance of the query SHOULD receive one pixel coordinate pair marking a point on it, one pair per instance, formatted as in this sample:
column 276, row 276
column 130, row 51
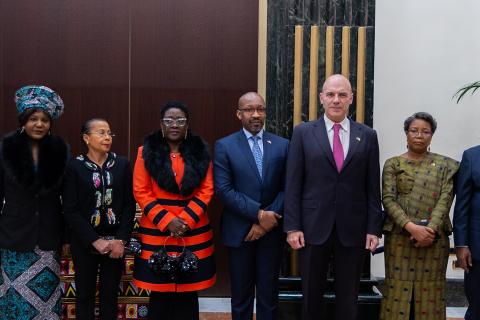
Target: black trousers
column 87, row 267
column 472, row 291
column 173, row 306
column 347, row 266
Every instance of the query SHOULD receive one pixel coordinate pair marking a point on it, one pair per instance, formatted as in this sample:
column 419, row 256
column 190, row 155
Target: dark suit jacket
column 317, row 197
column 240, row 188
column 466, row 217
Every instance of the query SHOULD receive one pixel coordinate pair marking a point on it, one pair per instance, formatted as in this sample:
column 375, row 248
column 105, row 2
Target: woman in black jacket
column 100, row 209
column 32, row 163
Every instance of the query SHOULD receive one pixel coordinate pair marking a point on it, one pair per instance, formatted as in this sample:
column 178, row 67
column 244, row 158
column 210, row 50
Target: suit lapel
column 247, row 153
column 356, row 138
column 320, row 134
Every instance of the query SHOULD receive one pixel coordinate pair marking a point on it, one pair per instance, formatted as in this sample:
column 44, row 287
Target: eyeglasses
column 180, row 122
column 341, row 95
column 103, row 134
column 415, row 132
column 251, row 110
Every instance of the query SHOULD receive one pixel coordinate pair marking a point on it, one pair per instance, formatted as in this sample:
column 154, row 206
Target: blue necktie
column 257, row 154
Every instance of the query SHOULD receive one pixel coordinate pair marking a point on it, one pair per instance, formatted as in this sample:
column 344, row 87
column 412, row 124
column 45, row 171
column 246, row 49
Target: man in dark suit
column 466, row 227
column 332, row 200
column 249, row 170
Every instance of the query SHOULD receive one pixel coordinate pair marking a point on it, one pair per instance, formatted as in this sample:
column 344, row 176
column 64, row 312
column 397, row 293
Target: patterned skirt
column 414, row 272
column 30, row 285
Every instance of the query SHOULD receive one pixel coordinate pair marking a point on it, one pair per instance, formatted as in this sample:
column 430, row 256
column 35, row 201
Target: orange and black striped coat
column 168, row 185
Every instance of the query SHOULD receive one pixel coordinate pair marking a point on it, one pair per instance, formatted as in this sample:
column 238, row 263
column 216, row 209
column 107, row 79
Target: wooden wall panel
column 201, row 52
column 80, row 49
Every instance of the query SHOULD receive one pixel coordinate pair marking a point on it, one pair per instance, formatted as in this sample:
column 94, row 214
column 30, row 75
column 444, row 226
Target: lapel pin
column 358, row 139
column 269, row 142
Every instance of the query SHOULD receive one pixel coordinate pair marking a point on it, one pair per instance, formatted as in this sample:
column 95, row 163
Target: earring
column 186, row 133
column 23, row 130
column 49, row 132
column 163, row 133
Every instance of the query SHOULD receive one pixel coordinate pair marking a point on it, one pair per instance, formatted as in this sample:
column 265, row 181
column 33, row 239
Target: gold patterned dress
column 416, row 191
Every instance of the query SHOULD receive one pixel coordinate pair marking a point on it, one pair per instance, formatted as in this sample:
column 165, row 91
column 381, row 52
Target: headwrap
column 40, row 97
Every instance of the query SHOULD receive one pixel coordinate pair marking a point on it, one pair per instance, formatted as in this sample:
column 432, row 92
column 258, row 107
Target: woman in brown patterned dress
column 417, row 195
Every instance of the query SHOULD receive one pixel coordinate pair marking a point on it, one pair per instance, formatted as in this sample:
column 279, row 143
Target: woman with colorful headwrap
column 32, row 164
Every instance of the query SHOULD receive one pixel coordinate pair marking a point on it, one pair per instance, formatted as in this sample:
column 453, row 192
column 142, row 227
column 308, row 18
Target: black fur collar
column 18, row 162
column 156, row 154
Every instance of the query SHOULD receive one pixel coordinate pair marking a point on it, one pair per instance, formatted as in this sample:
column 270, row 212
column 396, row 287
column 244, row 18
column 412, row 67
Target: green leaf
column 463, row 91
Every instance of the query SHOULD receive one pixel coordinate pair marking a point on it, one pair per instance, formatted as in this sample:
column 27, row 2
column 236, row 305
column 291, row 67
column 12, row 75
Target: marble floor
column 456, row 313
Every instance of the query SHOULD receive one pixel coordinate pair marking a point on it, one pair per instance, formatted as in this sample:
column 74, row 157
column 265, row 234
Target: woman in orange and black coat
column 173, row 184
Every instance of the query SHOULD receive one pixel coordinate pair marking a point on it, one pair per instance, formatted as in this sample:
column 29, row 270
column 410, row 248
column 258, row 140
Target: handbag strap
column 174, row 255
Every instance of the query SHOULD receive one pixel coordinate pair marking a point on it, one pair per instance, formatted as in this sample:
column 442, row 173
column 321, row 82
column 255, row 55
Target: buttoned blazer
column 241, row 189
column 319, row 198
